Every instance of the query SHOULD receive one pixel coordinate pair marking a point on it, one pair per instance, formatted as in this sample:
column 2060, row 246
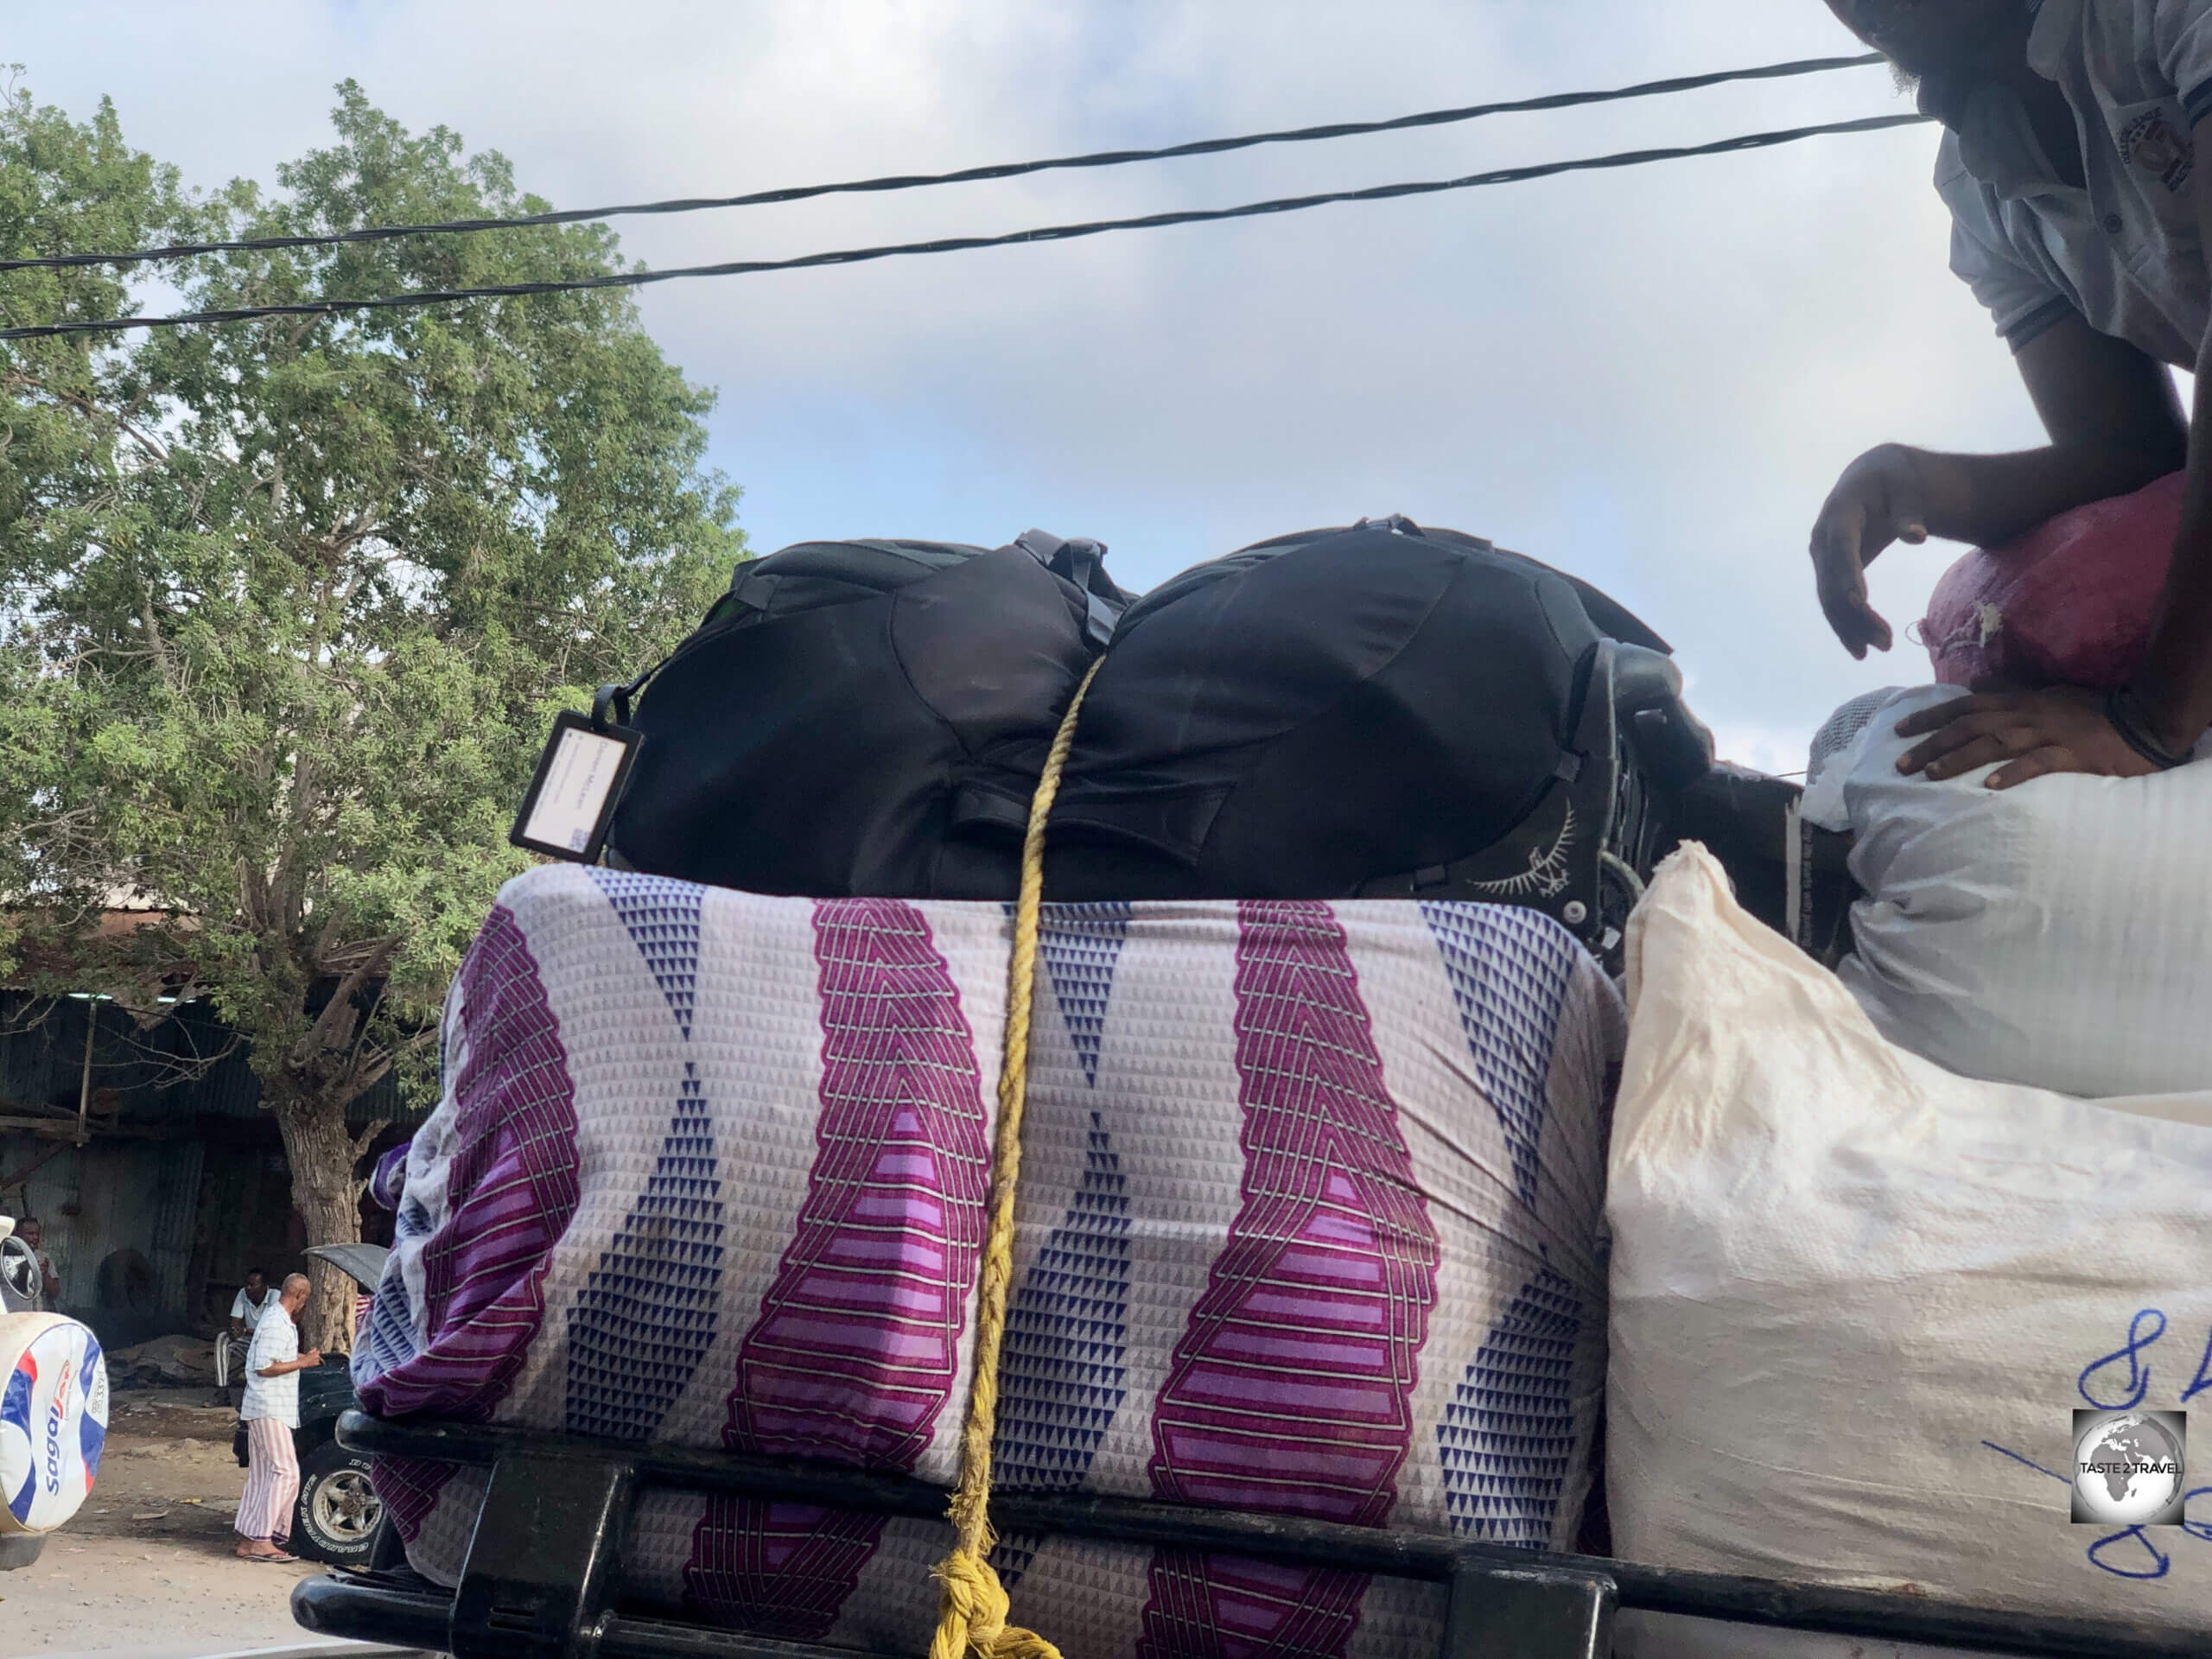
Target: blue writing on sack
column 2143, row 1333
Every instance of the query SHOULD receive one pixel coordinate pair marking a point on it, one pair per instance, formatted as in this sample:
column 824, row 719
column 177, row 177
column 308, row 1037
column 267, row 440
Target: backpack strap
column 610, row 705
column 1081, row 562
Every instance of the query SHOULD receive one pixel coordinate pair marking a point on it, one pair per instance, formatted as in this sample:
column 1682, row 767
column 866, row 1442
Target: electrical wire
column 965, row 243
column 966, row 175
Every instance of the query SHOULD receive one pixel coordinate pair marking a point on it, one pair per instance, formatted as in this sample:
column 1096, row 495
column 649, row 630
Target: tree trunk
column 323, row 1154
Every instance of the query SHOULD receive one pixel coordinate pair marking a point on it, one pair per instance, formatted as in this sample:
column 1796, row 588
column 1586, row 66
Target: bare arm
column 2172, row 685
column 306, row 1361
column 2168, row 703
column 2115, row 424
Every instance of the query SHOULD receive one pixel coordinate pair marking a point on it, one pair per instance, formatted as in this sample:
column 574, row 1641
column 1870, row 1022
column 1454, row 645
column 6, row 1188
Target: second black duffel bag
column 1375, row 712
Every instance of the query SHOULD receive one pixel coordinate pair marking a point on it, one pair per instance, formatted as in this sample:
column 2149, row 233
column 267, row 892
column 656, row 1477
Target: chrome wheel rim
column 346, row 1509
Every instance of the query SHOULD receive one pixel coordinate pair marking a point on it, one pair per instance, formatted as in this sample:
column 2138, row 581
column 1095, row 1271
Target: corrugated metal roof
column 42, row 1066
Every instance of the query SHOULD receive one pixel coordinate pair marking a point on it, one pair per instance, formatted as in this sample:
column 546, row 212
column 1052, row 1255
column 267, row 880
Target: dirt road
column 148, row 1562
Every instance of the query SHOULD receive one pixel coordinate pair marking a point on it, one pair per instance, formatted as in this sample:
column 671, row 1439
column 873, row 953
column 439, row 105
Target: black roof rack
column 539, row 1581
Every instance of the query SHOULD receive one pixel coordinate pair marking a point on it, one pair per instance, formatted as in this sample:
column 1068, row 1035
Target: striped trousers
column 272, row 1482
column 230, row 1352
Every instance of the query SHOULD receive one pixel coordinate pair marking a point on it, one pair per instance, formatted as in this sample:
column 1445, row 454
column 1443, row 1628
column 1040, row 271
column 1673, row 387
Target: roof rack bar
column 1291, row 1540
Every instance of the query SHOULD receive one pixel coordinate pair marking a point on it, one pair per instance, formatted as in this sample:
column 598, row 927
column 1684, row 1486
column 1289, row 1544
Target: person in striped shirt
column 270, row 1411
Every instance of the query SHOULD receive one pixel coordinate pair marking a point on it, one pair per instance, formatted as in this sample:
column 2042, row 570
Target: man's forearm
column 2172, row 685
column 1988, row 500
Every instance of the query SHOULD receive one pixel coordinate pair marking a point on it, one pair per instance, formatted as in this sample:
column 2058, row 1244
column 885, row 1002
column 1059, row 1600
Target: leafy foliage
column 286, row 607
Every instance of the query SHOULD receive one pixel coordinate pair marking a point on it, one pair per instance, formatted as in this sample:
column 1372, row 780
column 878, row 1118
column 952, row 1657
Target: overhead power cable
column 966, row 175
column 964, row 243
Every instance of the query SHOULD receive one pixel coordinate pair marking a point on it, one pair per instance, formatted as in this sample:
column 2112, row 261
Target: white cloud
column 1649, row 377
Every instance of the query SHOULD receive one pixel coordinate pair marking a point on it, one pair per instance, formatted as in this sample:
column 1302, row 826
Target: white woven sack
column 1856, row 1299
column 2050, row 934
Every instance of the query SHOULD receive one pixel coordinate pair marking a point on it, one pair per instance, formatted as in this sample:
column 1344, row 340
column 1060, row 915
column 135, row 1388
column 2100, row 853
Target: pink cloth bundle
column 2069, row 603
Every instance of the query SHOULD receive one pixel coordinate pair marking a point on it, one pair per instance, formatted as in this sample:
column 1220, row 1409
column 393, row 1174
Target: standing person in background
column 32, row 1232
column 271, row 1411
column 246, row 1309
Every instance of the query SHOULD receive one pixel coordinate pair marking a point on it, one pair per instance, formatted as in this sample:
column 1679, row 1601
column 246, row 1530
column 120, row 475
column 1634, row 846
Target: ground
column 148, row 1562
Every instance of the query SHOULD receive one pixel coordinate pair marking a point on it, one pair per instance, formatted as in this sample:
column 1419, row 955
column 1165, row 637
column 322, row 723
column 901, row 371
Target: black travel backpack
column 1376, row 712
column 852, row 718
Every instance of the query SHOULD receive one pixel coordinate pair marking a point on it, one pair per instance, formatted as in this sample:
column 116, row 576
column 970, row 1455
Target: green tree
column 286, row 607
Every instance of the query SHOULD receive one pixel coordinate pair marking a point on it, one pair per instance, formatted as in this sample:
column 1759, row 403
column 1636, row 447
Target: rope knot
column 972, row 1624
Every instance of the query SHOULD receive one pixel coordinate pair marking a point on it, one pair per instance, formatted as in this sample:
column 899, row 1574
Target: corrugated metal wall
column 127, row 1195
column 146, row 1187
column 176, row 1206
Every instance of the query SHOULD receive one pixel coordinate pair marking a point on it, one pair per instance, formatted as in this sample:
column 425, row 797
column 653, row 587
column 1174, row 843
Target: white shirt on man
column 276, row 1341
column 2121, row 251
column 244, row 1307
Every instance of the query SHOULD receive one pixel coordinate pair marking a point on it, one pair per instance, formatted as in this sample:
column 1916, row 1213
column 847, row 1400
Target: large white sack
column 2051, row 934
column 1856, row 1298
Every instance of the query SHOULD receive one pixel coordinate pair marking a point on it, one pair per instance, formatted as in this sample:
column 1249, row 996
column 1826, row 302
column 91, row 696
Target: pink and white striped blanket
column 1310, row 1222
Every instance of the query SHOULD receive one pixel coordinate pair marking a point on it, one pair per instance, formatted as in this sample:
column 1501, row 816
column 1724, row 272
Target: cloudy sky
column 1650, row 378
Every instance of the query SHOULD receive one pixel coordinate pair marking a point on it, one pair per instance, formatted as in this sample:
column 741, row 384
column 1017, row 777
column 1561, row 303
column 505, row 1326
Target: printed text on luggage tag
column 571, row 801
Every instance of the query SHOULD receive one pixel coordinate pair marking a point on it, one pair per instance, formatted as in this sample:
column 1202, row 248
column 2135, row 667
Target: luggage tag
column 571, row 803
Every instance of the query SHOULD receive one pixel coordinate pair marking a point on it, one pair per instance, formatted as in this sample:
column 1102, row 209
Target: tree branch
column 18, row 380
column 154, row 634
column 359, row 1144
column 361, row 1027
column 320, row 1039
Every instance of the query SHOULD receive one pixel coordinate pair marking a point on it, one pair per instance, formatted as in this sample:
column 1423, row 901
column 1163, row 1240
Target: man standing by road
column 2079, row 179
column 246, row 1309
column 271, row 1411
column 32, row 1232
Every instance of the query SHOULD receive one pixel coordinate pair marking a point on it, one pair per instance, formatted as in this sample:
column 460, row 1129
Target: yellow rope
column 972, row 1623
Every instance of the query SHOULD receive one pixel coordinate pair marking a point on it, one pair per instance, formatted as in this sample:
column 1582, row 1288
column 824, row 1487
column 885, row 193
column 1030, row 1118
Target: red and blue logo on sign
column 53, row 1420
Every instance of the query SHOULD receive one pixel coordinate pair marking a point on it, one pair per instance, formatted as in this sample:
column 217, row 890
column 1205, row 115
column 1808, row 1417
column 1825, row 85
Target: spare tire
column 53, row 1419
column 127, row 1283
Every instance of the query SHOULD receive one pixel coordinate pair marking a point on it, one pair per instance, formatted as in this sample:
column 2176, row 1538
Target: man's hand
column 2035, row 732
column 310, row 1359
column 1880, row 499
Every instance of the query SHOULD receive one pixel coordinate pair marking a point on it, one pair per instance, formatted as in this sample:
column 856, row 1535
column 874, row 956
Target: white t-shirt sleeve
column 2021, row 301
column 2180, row 39
column 238, row 1306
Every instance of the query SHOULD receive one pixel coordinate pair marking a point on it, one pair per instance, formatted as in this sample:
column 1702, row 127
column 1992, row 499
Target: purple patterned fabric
column 710, row 1170
column 512, row 1187
column 1291, row 1391
column 777, row 1569
column 410, row 1489
column 650, row 1312
column 857, row 1345
column 389, row 1176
